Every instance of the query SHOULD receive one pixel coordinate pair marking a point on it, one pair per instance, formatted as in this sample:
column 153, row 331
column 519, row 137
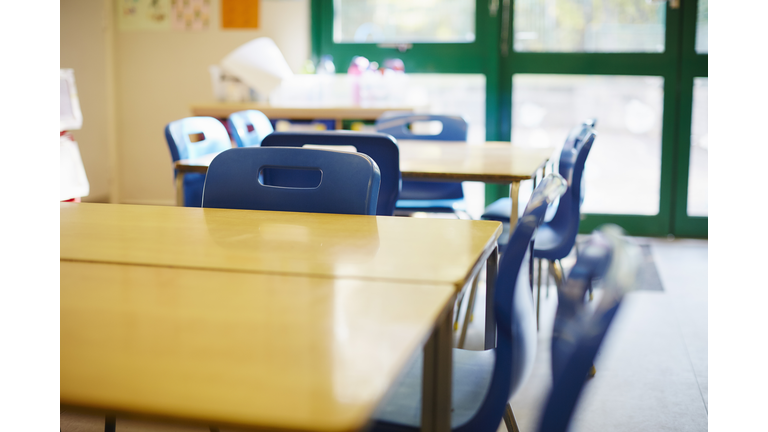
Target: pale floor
column 652, row 370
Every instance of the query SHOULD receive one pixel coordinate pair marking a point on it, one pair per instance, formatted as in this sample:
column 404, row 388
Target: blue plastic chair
column 382, row 148
column 241, row 178
column 209, row 135
column 483, row 381
column 419, row 195
column 579, row 332
column 249, row 127
column 556, row 237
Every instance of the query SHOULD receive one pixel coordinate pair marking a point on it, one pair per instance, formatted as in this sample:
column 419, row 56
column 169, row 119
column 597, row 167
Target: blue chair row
column 193, row 137
column 427, row 196
column 484, row 381
column 557, row 236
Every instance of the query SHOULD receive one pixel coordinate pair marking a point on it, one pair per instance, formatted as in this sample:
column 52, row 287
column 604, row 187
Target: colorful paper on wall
column 190, row 14
column 240, row 14
column 143, row 14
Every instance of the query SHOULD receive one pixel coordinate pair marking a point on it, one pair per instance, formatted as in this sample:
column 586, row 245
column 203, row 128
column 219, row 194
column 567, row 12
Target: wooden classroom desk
column 238, row 349
column 489, row 162
column 223, row 110
column 382, row 248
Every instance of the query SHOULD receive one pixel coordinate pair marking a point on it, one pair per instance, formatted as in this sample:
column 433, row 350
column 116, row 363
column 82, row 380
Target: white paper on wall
column 259, row 64
column 74, row 183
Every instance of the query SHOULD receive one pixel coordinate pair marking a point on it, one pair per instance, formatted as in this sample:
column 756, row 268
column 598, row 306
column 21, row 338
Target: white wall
column 157, row 75
column 85, row 27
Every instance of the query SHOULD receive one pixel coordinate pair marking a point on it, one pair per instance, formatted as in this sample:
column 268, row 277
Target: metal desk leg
column 492, row 267
column 436, row 385
column 180, row 189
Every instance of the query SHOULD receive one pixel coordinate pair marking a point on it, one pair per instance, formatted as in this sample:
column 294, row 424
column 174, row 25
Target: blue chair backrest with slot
column 249, row 127
column 579, row 330
column 347, row 183
column 454, row 128
column 484, row 381
column 558, row 234
column 191, row 138
column 380, row 147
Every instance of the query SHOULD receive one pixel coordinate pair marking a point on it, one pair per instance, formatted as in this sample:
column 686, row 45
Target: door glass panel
column 702, row 28
column 697, row 170
column 623, row 170
column 589, row 26
column 403, row 21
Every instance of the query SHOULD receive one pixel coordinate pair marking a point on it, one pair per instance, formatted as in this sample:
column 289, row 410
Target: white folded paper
column 259, row 64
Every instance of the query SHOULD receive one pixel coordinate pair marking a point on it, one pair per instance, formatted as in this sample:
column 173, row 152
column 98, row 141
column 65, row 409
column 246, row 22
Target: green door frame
column 677, row 65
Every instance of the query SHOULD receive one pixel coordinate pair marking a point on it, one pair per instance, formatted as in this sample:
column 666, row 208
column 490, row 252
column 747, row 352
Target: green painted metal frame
column 677, row 65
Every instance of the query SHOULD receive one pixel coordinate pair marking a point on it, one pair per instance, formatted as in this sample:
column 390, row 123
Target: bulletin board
column 240, row 14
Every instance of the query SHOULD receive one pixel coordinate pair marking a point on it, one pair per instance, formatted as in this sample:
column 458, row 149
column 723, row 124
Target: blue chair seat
column 472, row 371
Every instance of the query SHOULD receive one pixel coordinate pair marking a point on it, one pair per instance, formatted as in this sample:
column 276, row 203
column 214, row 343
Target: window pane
column 697, row 170
column 623, row 171
column 589, row 26
column 403, row 21
column 702, row 28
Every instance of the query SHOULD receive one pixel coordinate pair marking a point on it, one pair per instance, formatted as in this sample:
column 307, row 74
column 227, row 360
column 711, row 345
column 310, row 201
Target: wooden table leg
column 514, row 192
column 180, row 189
column 492, row 268
column 436, row 383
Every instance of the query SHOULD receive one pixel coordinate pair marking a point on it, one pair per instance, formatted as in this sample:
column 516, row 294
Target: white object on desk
column 73, row 182
column 259, row 64
column 71, row 118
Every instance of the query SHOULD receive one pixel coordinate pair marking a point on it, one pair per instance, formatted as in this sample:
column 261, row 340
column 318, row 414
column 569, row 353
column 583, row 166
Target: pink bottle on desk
column 356, row 69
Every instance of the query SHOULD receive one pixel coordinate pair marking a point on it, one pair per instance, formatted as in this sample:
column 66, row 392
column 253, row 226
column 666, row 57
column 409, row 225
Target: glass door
column 631, row 65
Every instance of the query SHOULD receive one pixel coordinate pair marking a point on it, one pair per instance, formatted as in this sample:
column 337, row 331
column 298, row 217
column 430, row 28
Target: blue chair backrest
column 382, row 148
column 348, row 183
column 454, row 127
column 249, row 127
column 578, row 333
column 571, row 166
column 513, row 307
column 193, row 137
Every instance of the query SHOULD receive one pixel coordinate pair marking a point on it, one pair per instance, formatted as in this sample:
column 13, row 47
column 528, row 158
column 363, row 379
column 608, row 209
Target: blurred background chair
column 249, row 127
column 426, row 196
column 380, row 147
column 580, row 330
column 557, row 235
column 484, row 381
column 191, row 138
column 241, row 178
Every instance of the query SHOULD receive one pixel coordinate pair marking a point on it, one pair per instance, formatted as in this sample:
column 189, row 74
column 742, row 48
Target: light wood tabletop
column 396, row 249
column 489, row 162
column 224, row 348
column 223, row 110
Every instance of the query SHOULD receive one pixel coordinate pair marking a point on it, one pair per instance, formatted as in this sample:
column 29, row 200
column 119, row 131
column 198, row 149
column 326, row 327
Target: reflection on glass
column 589, row 26
column 697, row 170
column 403, row 21
column 623, row 171
column 702, row 28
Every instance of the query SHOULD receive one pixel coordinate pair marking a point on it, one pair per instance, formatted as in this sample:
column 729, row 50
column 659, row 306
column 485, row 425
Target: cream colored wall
column 160, row 74
column 85, row 47
column 155, row 77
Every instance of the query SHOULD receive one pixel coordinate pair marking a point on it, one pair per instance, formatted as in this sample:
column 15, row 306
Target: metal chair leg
column 109, row 424
column 509, row 419
column 547, row 284
column 468, row 313
column 538, row 296
column 456, row 316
